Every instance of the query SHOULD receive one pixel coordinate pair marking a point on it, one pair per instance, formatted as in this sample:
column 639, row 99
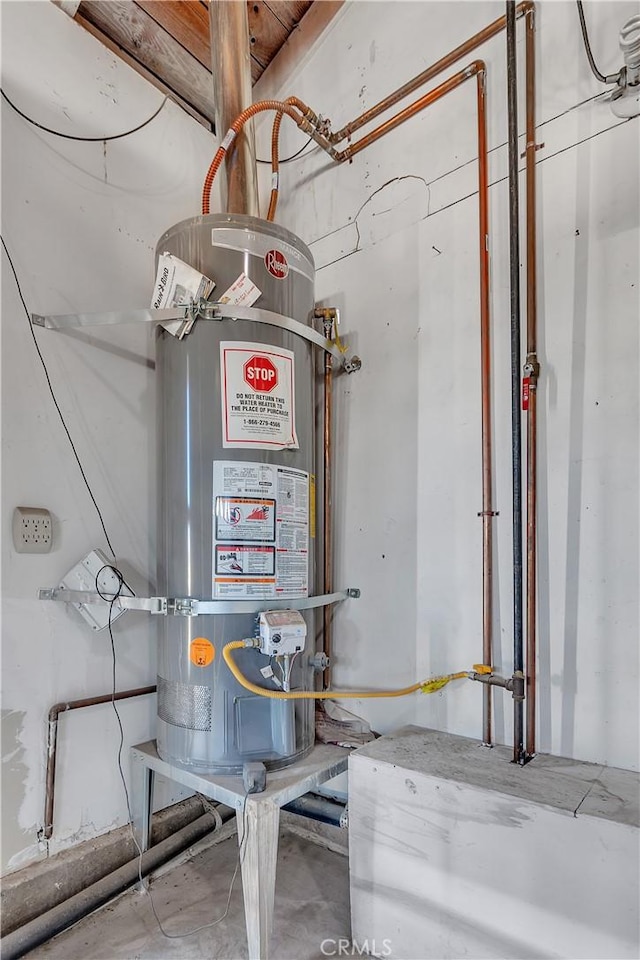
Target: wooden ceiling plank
column 289, row 12
column 137, row 66
column 148, row 43
column 266, row 33
column 186, row 21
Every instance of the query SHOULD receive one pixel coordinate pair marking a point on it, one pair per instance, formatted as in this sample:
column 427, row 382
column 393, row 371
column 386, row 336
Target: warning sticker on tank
column 260, row 524
column 245, row 518
column 258, row 396
column 234, row 559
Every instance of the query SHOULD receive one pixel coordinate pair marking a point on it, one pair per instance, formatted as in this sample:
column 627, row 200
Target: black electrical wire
column 55, row 401
column 612, row 78
column 293, row 156
column 112, row 599
column 71, row 136
column 225, row 914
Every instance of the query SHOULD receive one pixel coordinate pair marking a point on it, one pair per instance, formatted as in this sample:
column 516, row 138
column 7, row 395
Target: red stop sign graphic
column 260, row 373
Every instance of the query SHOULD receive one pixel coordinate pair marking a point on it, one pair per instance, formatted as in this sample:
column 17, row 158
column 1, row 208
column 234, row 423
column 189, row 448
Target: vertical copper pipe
column 485, row 380
column 52, row 742
column 327, row 512
column 477, row 69
column 532, row 371
column 231, row 68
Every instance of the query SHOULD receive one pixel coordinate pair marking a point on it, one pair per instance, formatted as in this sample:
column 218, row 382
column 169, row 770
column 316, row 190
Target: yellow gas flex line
column 425, row 686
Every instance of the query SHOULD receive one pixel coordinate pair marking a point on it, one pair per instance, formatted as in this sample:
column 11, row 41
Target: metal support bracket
column 202, row 310
column 190, row 607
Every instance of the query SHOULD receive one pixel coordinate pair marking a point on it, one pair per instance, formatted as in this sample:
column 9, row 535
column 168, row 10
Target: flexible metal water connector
column 304, row 117
column 425, row 686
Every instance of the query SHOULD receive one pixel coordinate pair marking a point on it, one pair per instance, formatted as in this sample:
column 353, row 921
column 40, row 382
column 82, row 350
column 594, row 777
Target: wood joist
column 168, row 40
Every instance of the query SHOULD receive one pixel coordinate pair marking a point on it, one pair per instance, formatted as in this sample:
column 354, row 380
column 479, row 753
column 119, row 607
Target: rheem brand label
column 276, row 263
column 258, row 396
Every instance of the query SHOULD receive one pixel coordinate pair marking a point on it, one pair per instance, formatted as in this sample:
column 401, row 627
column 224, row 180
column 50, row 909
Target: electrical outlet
column 32, row 530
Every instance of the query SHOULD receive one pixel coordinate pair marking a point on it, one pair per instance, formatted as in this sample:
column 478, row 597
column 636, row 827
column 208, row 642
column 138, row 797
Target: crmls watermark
column 350, row 948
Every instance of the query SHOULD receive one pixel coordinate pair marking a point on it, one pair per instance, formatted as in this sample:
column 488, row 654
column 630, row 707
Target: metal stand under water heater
column 236, row 507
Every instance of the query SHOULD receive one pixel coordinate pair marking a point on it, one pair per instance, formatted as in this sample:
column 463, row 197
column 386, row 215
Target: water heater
column 236, row 495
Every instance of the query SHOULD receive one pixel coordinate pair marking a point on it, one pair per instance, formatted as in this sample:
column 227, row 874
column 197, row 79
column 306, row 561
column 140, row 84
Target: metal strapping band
column 204, row 310
column 189, row 607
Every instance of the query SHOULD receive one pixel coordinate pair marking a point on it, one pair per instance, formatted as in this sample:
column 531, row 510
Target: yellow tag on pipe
column 436, row 684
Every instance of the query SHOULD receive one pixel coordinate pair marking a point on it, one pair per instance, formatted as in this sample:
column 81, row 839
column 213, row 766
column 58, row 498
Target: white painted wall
column 81, row 229
column 81, row 221
column 399, row 256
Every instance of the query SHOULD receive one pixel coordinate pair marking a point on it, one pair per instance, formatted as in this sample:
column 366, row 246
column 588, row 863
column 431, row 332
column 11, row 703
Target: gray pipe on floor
column 42, row 928
column 316, row 807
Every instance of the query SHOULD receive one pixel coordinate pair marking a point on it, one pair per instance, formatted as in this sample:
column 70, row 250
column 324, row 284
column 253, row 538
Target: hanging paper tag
column 526, row 386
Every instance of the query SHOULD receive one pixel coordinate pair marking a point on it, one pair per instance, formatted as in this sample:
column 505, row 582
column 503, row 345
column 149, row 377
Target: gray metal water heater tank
column 235, row 496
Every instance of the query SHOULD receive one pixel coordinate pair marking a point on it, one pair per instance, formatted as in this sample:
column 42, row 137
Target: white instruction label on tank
column 260, row 531
column 258, row 396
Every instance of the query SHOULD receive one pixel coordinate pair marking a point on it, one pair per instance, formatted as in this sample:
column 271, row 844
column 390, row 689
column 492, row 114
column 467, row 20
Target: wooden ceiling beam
column 132, row 29
column 139, row 68
column 168, row 41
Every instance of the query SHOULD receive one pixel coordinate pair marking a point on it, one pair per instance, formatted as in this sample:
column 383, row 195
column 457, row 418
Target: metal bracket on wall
column 202, row 310
column 190, row 607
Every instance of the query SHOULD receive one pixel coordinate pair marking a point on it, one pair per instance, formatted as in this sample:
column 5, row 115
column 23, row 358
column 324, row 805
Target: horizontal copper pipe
column 444, row 63
column 52, row 742
column 411, row 110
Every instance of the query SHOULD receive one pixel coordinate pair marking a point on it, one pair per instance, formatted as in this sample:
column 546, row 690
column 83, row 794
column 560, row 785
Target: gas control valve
column 282, row 632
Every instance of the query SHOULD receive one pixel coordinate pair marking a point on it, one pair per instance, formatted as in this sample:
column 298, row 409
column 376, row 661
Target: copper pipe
column 485, row 380
column 477, row 69
column 409, row 111
column 327, row 623
column 443, row 64
column 52, row 742
column 532, row 370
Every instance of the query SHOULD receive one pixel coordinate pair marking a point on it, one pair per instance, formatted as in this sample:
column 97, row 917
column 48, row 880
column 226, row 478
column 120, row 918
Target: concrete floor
column 312, row 904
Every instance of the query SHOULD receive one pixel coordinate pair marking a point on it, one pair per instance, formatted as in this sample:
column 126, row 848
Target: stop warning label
column 258, row 396
column 260, row 373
